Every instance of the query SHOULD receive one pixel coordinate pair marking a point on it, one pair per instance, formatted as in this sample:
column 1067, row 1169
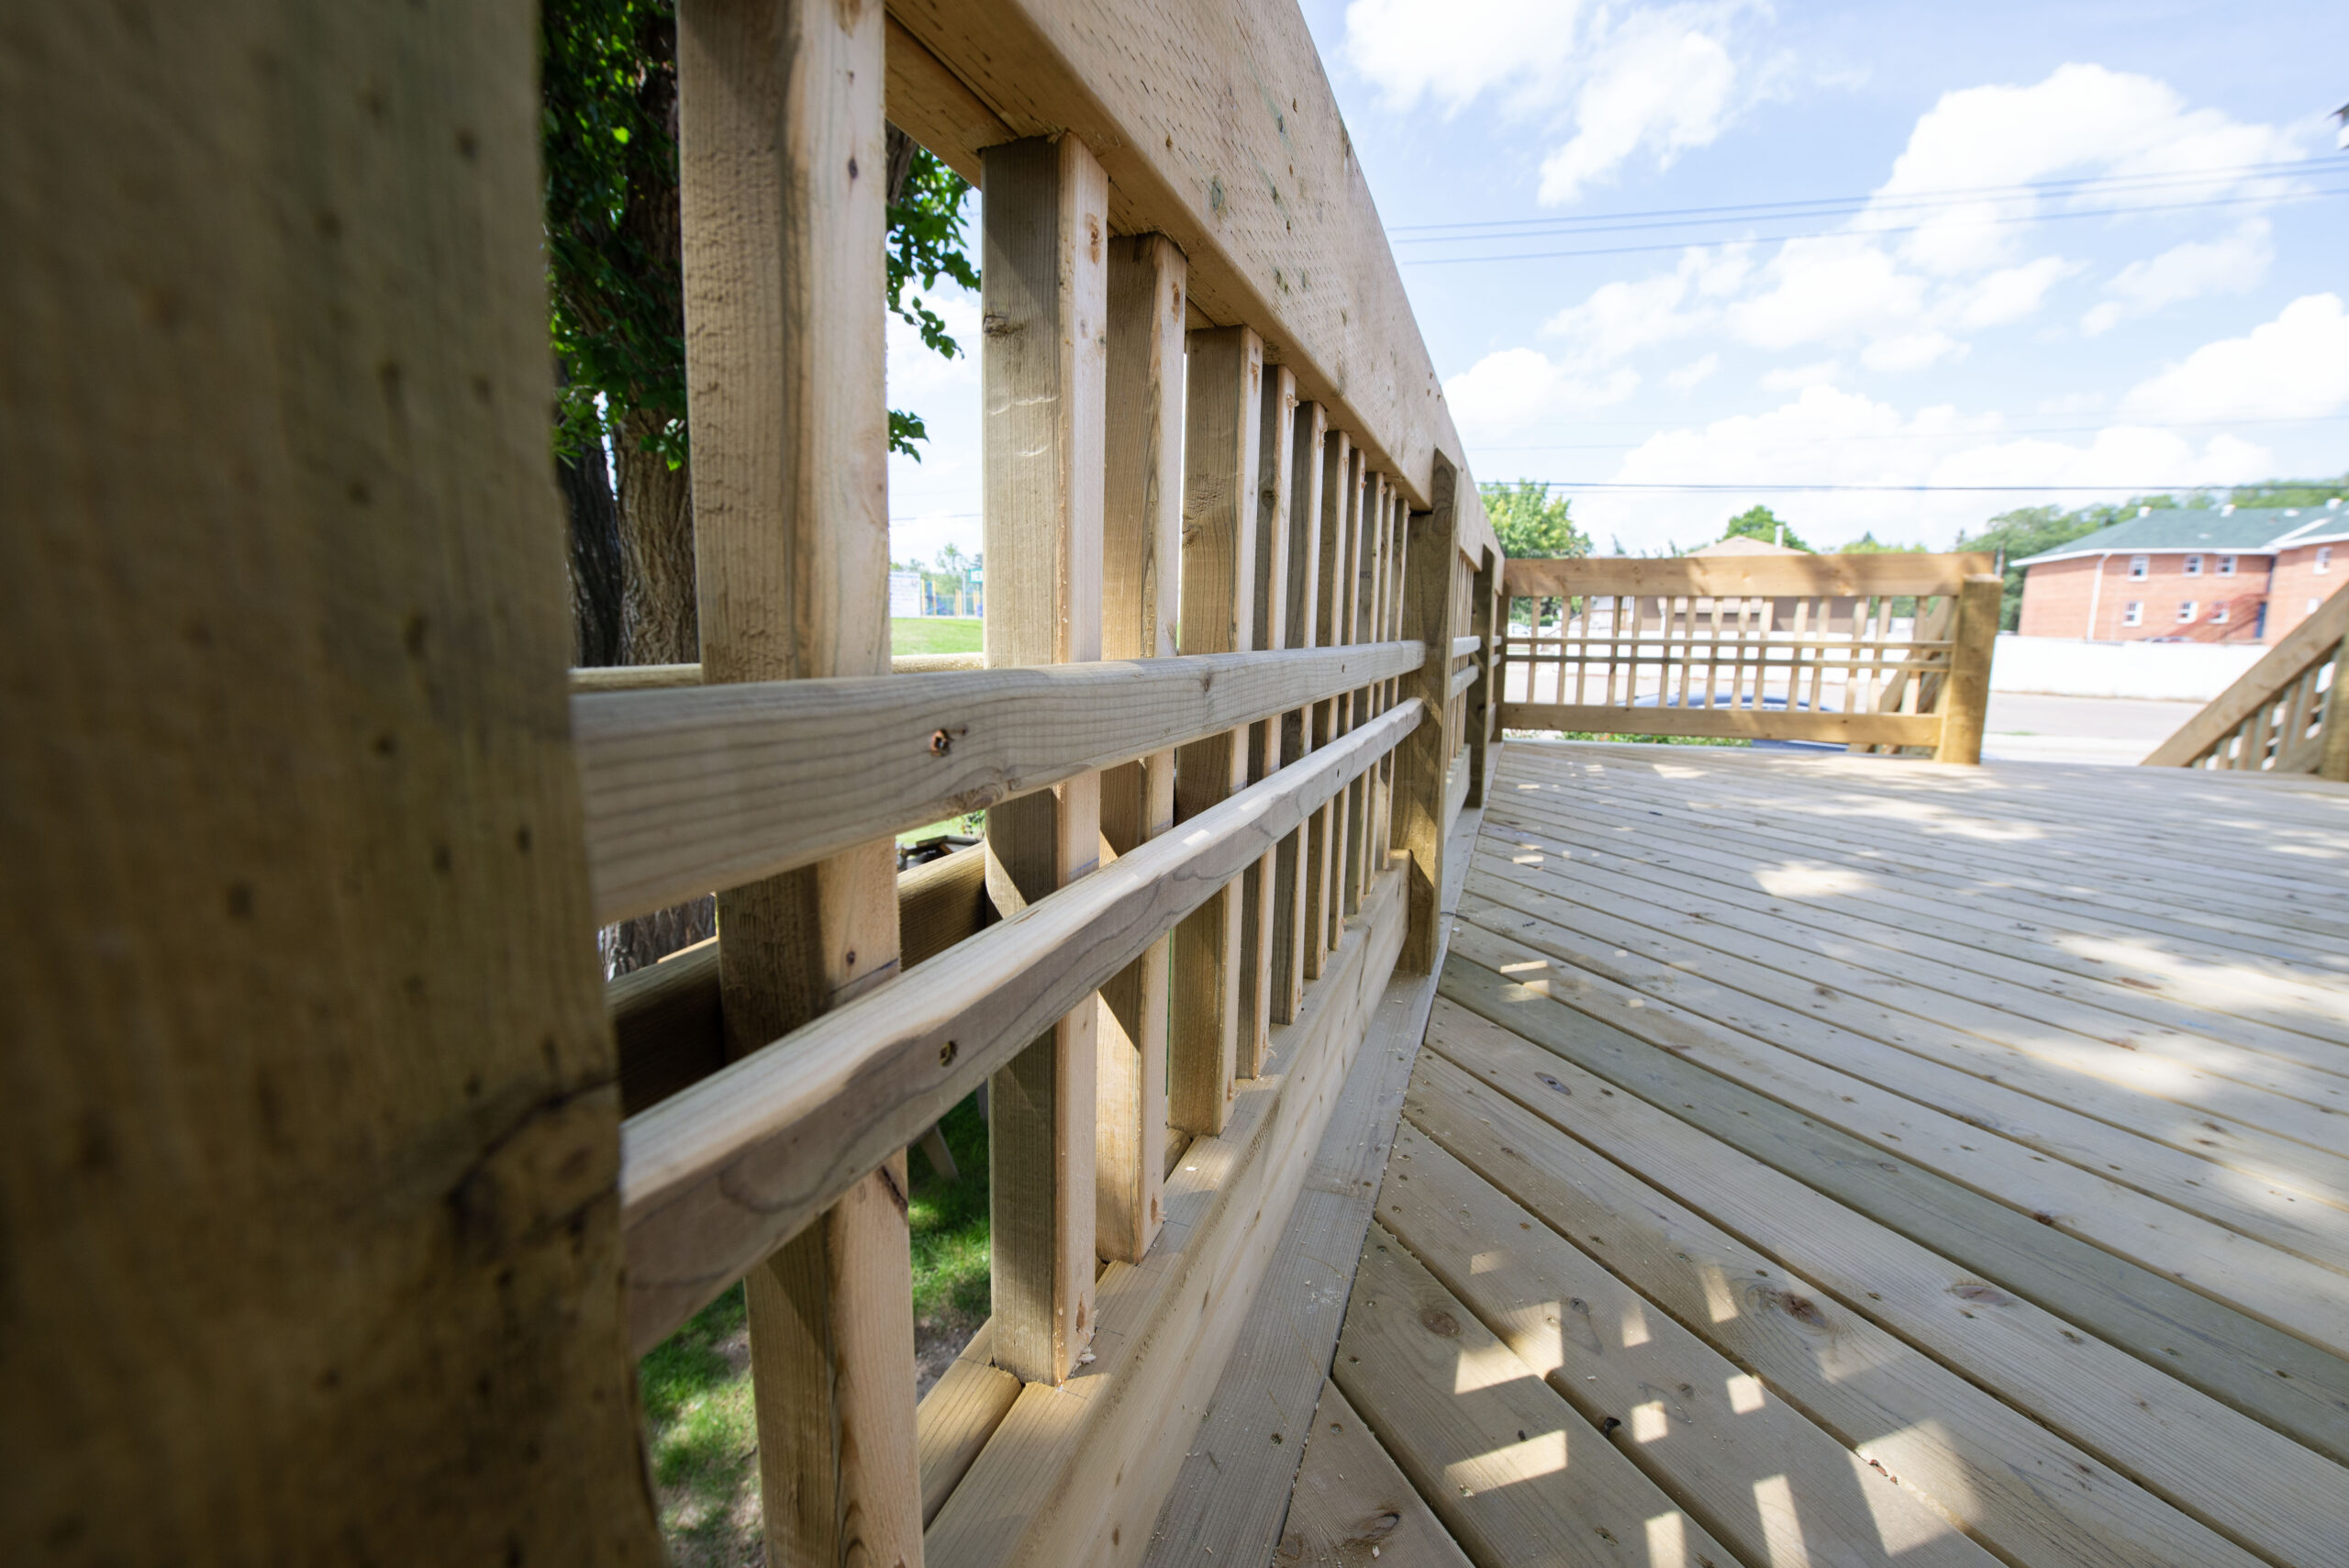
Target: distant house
column 2236, row 574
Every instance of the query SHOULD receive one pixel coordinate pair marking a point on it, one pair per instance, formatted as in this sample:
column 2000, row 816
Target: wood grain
column 1965, row 699
column 1422, row 763
column 307, row 1104
column 1708, row 576
column 1351, row 1499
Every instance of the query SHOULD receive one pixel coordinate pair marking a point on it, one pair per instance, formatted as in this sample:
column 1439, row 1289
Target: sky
column 1681, row 259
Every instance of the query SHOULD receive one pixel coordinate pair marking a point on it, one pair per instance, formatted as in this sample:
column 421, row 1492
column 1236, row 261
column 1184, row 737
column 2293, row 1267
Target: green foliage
column 607, row 107
column 695, row 1387
column 1867, row 544
column 2028, row 531
column 948, row 1222
column 2286, row 492
column 1531, row 525
column 1760, row 522
column 607, row 100
column 937, row 634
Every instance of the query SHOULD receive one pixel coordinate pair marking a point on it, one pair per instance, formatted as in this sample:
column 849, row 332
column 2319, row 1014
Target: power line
column 1932, row 435
column 1905, row 489
column 1871, row 233
column 1425, row 233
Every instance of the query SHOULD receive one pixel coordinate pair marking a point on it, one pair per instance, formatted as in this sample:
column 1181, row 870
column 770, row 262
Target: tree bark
column 597, row 574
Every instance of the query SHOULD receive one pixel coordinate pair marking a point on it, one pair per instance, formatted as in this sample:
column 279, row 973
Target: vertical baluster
column 781, row 174
column 1298, row 867
column 1357, row 630
column 1398, row 511
column 1044, row 370
column 1223, row 403
column 1276, row 422
column 1372, row 622
column 1141, row 549
column 1326, row 889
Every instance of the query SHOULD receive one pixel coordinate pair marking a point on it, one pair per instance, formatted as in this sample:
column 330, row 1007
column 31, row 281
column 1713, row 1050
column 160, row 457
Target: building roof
column 2239, row 530
column 1743, row 546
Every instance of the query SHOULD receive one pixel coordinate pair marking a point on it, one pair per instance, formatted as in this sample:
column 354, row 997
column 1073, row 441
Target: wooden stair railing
column 2288, row 714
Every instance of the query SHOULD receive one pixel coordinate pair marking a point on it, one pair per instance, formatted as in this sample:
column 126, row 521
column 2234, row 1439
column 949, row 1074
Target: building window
column 2219, row 614
column 2323, row 559
column 2194, row 566
column 2133, row 612
column 2226, row 566
column 2185, row 610
column 2137, row 564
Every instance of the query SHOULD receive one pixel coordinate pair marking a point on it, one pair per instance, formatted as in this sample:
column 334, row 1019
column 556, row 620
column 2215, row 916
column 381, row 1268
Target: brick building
column 2235, row 574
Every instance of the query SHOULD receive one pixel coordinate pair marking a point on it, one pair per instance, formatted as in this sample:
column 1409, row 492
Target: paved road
column 2119, row 730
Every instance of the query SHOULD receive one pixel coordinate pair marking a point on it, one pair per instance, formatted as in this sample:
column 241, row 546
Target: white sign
column 905, row 593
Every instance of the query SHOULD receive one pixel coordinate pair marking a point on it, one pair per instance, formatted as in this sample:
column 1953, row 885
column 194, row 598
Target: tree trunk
column 596, row 577
column 658, row 624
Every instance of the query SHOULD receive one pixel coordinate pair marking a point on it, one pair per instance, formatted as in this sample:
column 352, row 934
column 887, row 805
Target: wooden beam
column 311, row 1246
column 1295, row 868
column 711, row 786
column 717, row 1177
column 1881, row 729
column 781, row 164
column 1424, row 762
column 1141, row 554
column 1761, row 576
column 1277, row 423
column 1044, row 367
column 655, row 677
column 1965, row 699
column 1219, row 456
column 1216, row 126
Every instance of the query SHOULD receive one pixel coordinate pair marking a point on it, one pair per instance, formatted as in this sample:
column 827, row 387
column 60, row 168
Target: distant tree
column 1531, row 523
column 2028, row 531
column 2289, row 493
column 1867, row 544
column 1760, row 522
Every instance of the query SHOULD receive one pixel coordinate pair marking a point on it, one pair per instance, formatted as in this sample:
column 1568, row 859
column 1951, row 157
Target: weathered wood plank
column 1140, row 558
column 1733, row 576
column 955, row 1418
column 1965, row 693
column 715, row 1177
column 1351, row 1505
column 1422, row 763
column 780, row 174
column 1297, row 868
column 1514, row 1474
column 1223, row 388
column 1871, row 728
column 1268, row 585
column 2030, row 1495
column 1043, row 379
column 1760, row 1476
column 308, row 1108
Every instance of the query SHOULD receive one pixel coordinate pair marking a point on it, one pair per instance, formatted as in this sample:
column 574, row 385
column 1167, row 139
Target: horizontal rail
column 650, row 677
column 705, row 787
column 1728, row 638
column 1746, row 576
column 1464, row 679
column 719, row 1176
column 1771, row 724
column 1461, row 647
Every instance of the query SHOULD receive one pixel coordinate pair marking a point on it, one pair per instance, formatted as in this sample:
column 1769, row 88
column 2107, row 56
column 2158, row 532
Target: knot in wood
column 941, row 742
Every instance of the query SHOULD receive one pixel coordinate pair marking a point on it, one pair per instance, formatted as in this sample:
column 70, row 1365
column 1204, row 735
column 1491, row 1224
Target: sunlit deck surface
column 1824, row 1159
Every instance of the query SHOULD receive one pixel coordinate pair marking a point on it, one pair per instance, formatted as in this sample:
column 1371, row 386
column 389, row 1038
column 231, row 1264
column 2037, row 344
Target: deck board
column 1886, row 1161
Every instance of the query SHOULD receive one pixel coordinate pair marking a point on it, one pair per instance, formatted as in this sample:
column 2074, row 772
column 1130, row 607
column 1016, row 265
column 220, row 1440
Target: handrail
column 2281, row 715
column 1794, row 576
column 653, row 677
column 693, row 788
column 718, row 1176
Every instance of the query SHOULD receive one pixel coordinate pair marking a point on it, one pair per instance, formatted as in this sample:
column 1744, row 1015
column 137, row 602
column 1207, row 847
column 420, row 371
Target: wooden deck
column 1836, row 1160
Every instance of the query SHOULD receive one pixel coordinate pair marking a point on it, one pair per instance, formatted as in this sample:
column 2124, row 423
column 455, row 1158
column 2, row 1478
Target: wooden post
column 312, row 1129
column 1423, row 757
column 1361, row 566
column 1325, row 872
column 1294, row 871
column 1142, row 551
column 1220, row 455
column 1276, row 422
column 782, row 177
column 1044, row 370
column 1966, row 696
column 1483, row 699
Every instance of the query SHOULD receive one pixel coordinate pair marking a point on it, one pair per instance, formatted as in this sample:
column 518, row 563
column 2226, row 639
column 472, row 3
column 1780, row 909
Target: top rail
column 1710, row 576
column 691, row 788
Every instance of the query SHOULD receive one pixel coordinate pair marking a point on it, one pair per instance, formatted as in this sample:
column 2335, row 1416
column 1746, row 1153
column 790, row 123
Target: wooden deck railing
column 1879, row 651
column 2288, row 714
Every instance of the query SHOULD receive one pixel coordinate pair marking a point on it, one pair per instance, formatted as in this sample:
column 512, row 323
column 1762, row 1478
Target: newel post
column 1966, row 701
column 1422, row 759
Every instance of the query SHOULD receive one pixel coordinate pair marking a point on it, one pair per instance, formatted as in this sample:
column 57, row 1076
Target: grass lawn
column 696, row 1387
column 935, row 634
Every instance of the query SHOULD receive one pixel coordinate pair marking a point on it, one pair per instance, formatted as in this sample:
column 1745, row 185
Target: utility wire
column 1909, row 489
column 1871, row 233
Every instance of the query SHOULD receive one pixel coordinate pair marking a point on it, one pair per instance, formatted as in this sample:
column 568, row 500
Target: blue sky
column 1966, row 306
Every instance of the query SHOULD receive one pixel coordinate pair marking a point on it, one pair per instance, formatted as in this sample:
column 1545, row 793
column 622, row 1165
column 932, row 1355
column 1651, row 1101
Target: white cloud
column 1614, row 82
column 1686, row 378
column 1658, row 83
column 1795, row 378
column 1821, row 290
column 1514, row 389
column 2234, row 264
column 1620, row 318
column 2295, row 366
